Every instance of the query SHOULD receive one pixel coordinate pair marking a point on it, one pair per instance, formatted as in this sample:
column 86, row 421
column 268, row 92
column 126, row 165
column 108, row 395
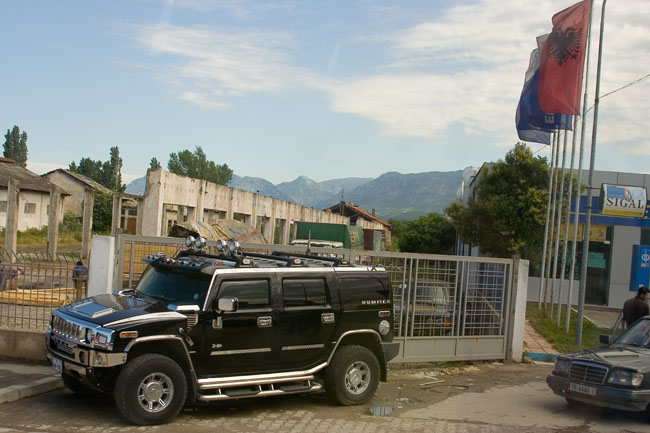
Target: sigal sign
column 622, row 200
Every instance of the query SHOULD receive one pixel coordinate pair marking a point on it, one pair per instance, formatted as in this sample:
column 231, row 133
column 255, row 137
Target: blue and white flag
column 532, row 123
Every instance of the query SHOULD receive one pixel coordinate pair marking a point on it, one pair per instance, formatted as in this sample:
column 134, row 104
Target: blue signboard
column 599, row 219
column 640, row 267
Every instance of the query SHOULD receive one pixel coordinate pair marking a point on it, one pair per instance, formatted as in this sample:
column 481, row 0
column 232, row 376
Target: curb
column 40, row 386
column 542, row 357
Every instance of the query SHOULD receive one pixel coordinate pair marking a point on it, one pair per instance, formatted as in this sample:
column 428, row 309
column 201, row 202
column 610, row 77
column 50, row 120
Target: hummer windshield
column 174, row 287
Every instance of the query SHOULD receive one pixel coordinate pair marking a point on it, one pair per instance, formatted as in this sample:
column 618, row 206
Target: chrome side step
column 260, row 385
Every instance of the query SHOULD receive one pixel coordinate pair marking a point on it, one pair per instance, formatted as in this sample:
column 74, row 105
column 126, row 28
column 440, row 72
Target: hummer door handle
column 264, row 322
column 327, row 318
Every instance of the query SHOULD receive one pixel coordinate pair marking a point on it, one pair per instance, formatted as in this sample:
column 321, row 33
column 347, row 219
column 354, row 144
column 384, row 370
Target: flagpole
column 558, row 226
column 585, row 247
column 566, row 224
column 542, row 281
column 576, row 214
column 552, row 227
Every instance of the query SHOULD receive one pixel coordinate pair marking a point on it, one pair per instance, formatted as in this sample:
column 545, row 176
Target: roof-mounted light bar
column 195, row 243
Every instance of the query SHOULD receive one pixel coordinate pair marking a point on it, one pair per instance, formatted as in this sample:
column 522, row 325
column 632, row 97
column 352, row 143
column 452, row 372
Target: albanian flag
column 562, row 60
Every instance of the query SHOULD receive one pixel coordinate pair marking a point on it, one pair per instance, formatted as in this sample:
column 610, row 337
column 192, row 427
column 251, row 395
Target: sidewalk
column 22, row 379
column 538, row 348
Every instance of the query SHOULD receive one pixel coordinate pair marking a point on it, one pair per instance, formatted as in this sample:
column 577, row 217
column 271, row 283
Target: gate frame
column 515, row 293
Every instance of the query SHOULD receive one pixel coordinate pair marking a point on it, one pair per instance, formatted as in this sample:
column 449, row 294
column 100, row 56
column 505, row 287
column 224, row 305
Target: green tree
column 507, row 214
column 15, row 146
column 196, row 165
column 154, row 164
column 429, row 234
column 102, row 212
column 107, row 173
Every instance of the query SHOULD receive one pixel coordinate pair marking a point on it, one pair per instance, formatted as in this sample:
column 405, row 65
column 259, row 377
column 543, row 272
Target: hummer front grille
column 68, row 330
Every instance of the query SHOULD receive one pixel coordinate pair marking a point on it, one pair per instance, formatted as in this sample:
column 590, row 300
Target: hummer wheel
column 150, row 389
column 353, row 375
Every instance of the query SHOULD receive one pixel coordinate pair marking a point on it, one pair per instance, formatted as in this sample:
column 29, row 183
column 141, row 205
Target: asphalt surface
column 484, row 397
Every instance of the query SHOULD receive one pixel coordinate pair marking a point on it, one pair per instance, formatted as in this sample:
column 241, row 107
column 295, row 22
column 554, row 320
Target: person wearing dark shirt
column 637, row 307
column 79, row 276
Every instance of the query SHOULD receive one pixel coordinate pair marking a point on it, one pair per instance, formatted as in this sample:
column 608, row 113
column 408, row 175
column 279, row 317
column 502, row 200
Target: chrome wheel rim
column 357, row 377
column 155, row 392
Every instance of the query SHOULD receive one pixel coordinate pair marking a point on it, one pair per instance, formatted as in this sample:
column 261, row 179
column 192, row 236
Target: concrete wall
column 621, row 264
column 38, row 219
column 18, row 344
column 73, row 203
column 164, row 188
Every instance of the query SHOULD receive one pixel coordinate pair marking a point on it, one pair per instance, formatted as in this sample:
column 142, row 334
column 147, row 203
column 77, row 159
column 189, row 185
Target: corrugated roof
column 83, row 179
column 27, row 180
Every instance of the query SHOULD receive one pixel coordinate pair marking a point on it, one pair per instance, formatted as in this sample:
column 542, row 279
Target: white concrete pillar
column 101, row 266
column 519, row 290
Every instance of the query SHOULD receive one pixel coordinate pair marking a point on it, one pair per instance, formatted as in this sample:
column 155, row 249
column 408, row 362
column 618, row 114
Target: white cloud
column 211, row 66
column 490, row 42
column 465, row 68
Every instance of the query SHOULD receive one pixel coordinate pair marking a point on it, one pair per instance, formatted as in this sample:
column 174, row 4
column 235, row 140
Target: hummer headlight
column 189, row 241
column 624, row 377
column 562, row 366
column 90, row 335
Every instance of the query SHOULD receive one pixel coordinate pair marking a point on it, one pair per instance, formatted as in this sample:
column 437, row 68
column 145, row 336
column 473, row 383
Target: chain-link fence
column 32, row 284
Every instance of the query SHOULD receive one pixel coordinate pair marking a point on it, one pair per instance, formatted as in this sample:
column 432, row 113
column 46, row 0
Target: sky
column 326, row 89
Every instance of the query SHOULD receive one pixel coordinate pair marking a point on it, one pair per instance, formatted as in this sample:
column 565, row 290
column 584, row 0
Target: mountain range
column 391, row 195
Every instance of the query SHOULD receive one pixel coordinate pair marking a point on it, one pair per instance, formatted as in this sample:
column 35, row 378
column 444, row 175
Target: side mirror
column 228, row 304
column 606, row 339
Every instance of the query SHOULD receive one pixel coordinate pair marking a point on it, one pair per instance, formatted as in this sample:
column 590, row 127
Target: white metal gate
column 446, row 308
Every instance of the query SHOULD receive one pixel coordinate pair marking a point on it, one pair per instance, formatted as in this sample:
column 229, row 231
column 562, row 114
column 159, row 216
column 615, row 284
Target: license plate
column 57, row 364
column 583, row 389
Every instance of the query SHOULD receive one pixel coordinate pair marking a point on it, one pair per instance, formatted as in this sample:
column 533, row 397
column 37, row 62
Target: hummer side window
column 252, row 294
column 304, row 292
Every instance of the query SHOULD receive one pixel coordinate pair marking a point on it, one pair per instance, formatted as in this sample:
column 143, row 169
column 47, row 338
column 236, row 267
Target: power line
column 632, row 83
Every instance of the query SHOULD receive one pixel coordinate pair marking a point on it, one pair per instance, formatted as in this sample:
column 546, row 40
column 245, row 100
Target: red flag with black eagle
column 562, row 60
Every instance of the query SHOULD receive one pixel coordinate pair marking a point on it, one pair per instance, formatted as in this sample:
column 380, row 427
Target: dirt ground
column 409, row 387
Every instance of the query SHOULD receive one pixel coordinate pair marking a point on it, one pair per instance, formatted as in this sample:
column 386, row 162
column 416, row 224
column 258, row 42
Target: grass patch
column 564, row 343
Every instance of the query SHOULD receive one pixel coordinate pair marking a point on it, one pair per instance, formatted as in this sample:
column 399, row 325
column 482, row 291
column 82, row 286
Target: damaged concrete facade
column 169, row 198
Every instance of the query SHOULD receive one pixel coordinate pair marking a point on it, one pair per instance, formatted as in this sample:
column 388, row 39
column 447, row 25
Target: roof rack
column 314, row 260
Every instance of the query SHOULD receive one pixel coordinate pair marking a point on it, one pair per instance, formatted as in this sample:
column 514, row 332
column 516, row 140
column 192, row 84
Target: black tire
column 353, row 376
column 150, row 389
column 76, row 386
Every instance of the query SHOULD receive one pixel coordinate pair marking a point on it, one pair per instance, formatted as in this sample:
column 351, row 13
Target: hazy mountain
column 260, row 186
column 303, row 190
column 336, row 185
column 137, row 186
column 405, row 196
column 392, row 195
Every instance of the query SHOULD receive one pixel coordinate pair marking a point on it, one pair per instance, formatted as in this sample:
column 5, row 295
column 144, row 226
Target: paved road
column 485, row 399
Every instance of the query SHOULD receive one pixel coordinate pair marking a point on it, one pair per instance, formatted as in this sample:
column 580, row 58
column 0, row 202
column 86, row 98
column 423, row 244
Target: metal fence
column 445, row 307
column 32, row 284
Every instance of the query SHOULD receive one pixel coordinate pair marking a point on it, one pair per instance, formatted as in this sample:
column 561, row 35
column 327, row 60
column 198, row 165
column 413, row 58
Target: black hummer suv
column 207, row 327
